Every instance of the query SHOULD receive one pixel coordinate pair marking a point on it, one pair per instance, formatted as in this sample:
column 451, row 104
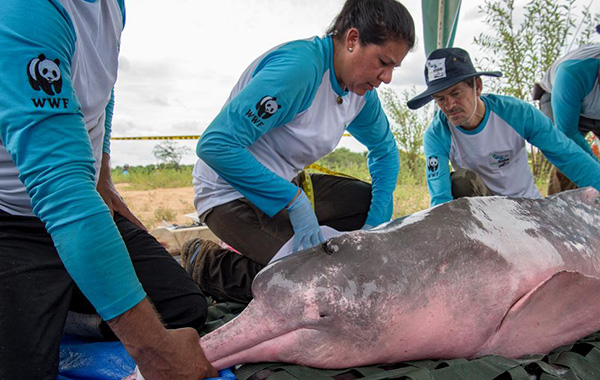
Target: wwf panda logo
column 266, row 107
column 432, row 164
column 45, row 74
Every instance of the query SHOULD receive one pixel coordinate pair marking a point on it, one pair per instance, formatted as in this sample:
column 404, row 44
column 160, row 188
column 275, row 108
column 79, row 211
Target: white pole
column 440, row 25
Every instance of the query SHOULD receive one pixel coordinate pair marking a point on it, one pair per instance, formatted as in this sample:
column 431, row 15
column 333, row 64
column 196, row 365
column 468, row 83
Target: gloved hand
column 367, row 227
column 307, row 232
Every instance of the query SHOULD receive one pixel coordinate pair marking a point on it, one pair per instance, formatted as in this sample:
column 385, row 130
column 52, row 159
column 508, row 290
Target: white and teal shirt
column 57, row 70
column 286, row 112
column 575, row 87
column 496, row 150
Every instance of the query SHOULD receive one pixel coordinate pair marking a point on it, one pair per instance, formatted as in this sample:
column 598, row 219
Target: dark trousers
column 36, row 292
column 558, row 181
column 341, row 203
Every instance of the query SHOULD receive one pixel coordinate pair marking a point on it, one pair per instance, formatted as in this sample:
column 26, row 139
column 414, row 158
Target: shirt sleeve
column 573, row 82
column 436, row 145
column 42, row 128
column 371, row 128
column 282, row 86
column 108, row 123
column 561, row 151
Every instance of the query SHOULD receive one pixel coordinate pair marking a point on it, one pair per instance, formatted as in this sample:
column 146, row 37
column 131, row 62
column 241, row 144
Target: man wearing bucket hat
column 483, row 136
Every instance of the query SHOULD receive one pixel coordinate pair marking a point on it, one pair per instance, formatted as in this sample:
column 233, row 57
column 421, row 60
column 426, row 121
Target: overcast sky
column 179, row 60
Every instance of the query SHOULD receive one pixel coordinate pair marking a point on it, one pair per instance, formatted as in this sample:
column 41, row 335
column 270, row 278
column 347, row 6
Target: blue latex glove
column 307, row 232
column 367, row 227
column 224, row 374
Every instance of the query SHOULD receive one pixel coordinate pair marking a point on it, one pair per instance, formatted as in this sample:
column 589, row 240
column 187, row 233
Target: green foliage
column 409, row 199
column 412, row 169
column 408, row 127
column 524, row 50
column 344, row 161
column 170, row 153
column 410, row 195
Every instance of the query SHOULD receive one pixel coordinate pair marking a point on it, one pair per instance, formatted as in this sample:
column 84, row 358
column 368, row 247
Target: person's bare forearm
column 139, row 329
column 161, row 354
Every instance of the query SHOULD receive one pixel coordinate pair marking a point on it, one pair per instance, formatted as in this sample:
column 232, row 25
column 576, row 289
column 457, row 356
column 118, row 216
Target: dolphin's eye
column 597, row 201
column 330, row 248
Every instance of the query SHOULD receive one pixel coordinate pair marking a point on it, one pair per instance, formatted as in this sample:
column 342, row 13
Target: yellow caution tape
column 307, row 186
column 193, row 137
column 329, row 171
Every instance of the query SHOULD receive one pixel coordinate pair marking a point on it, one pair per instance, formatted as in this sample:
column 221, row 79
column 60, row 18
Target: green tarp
column 579, row 361
column 440, row 19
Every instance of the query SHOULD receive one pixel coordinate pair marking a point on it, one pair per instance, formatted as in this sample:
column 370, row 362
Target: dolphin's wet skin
column 469, row 278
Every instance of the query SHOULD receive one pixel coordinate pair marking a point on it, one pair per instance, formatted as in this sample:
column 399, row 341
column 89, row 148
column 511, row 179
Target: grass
column 164, row 213
column 411, row 194
column 154, row 177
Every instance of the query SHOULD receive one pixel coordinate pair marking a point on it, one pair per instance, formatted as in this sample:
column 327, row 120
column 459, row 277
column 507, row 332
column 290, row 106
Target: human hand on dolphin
column 307, row 232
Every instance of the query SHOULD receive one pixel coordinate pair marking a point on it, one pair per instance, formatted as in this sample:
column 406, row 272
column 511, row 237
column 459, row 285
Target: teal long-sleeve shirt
column 43, row 133
column 495, row 150
column 255, row 153
column 574, row 81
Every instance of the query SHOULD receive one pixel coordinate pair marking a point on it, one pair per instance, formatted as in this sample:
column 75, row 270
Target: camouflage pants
column 467, row 183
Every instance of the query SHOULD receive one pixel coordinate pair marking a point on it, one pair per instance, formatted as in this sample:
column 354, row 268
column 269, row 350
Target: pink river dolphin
column 473, row 277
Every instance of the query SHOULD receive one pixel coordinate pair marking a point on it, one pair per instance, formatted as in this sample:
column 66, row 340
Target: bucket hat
column 445, row 68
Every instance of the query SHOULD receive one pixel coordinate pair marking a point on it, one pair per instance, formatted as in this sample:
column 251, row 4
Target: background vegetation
column 410, row 196
column 521, row 47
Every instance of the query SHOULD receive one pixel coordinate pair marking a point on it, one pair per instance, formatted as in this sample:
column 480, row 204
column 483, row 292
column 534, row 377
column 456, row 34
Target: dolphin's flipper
column 558, row 311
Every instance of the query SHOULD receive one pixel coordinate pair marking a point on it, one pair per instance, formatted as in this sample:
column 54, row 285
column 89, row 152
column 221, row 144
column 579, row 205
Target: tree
column 408, row 127
column 169, row 152
column 524, row 51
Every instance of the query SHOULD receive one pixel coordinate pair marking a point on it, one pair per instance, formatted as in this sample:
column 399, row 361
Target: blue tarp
column 85, row 359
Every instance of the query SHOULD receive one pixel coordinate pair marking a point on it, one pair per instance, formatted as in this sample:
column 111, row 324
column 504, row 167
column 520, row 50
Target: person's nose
column 449, row 103
column 386, row 75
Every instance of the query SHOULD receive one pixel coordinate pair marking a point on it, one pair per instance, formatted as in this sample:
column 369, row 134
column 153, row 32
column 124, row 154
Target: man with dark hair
column 484, row 136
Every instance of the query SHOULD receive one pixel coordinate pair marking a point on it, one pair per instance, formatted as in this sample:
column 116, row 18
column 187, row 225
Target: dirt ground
column 153, row 207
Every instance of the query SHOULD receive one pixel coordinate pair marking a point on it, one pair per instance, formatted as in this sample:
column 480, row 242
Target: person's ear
column 352, row 39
